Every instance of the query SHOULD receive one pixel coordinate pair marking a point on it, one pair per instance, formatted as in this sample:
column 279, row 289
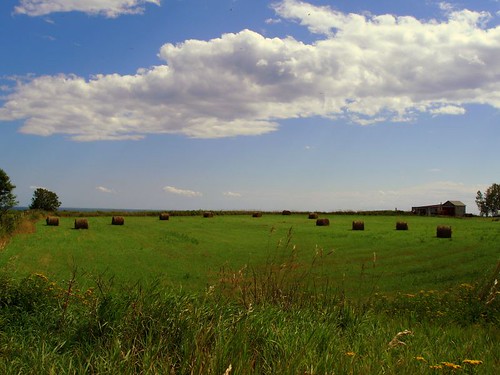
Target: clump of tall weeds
column 284, row 280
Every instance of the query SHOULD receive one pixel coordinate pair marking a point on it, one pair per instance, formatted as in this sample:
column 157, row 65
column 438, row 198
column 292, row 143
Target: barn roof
column 455, row 203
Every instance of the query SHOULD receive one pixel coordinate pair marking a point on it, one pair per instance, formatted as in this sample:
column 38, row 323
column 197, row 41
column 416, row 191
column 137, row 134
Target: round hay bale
column 52, row 221
column 257, row 214
column 117, row 220
column 401, row 225
column 208, row 214
column 164, row 216
column 313, row 215
column 443, row 231
column 81, row 224
column 322, row 222
column 358, row 225
column 286, row 212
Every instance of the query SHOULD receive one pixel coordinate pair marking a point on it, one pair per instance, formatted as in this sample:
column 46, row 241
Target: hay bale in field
column 322, row 222
column 313, row 215
column 117, row 220
column 257, row 214
column 401, row 225
column 52, row 221
column 164, row 216
column 443, row 231
column 358, row 225
column 286, row 212
column 81, row 224
column 208, row 214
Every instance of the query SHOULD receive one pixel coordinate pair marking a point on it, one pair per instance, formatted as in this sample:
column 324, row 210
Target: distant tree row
column 43, row 199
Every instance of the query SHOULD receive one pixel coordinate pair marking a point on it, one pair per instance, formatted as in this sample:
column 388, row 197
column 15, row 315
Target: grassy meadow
column 235, row 294
column 191, row 251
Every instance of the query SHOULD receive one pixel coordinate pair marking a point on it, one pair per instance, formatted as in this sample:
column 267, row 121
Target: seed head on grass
column 228, row 370
column 395, row 342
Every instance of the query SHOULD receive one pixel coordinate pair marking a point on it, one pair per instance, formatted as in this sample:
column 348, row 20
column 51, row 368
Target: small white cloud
column 232, row 194
column 105, row 190
column 434, row 170
column 272, row 21
column 34, row 187
column 183, row 192
column 446, row 7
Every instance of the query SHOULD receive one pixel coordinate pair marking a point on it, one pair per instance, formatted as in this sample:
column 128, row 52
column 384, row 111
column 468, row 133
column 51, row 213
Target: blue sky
column 245, row 104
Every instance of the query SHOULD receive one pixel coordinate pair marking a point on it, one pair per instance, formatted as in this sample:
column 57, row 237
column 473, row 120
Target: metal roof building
column 449, row 208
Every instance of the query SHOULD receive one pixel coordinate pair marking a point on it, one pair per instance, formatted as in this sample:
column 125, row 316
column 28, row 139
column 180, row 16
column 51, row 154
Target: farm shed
column 449, row 208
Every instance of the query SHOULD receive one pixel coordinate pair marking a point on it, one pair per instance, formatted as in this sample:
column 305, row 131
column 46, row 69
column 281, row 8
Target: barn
column 449, row 208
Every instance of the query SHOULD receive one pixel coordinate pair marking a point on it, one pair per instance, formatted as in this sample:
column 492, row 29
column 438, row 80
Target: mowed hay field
column 192, row 251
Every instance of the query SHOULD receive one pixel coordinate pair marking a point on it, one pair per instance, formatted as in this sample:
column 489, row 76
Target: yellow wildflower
column 420, row 358
column 473, row 362
column 350, row 354
column 436, row 367
column 451, row 365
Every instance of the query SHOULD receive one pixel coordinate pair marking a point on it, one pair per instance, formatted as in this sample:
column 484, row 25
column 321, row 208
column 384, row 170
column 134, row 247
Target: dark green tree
column 7, row 198
column 44, row 199
column 489, row 201
column 492, row 198
column 481, row 204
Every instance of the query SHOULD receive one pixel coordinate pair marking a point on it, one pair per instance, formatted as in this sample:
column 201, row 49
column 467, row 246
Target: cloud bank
column 106, row 8
column 363, row 69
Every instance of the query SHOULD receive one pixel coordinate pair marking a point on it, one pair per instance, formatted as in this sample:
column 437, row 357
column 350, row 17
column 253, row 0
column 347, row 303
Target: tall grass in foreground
column 278, row 319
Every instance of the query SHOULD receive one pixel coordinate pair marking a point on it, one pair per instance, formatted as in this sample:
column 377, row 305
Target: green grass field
column 241, row 295
column 191, row 251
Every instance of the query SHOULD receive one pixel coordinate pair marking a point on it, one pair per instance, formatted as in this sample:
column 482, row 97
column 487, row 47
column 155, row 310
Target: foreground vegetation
column 305, row 300
column 249, row 323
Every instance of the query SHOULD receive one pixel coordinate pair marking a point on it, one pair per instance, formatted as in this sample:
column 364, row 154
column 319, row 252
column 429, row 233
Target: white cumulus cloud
column 363, row 68
column 107, row 8
column 183, row 192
